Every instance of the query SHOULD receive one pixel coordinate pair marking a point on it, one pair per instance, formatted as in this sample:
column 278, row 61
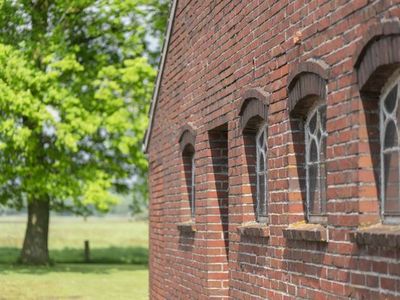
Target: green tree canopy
column 75, row 82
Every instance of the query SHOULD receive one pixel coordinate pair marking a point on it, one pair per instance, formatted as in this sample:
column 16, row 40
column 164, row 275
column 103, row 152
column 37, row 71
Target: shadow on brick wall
column 186, row 241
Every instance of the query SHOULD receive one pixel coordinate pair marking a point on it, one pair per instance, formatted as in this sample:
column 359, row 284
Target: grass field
column 117, row 268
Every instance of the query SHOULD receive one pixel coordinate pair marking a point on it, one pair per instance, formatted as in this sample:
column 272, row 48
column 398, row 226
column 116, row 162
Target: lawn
column 117, row 268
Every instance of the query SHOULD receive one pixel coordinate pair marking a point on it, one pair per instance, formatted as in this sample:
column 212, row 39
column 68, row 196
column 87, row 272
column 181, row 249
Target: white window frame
column 312, row 217
column 392, row 82
column 262, row 217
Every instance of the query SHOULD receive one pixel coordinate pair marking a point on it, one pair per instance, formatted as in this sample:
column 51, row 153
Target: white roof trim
column 156, row 91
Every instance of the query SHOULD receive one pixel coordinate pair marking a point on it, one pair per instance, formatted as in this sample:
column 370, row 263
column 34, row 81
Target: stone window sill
column 306, row 232
column 378, row 235
column 188, row 227
column 254, row 229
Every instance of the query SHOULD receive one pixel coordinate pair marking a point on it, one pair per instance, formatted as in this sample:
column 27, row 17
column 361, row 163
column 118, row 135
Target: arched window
column 307, row 105
column 390, row 150
column 253, row 113
column 187, row 142
column 315, row 139
column 377, row 63
column 188, row 156
column 262, row 174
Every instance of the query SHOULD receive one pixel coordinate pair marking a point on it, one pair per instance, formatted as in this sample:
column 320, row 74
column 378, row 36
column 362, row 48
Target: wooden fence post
column 87, row 252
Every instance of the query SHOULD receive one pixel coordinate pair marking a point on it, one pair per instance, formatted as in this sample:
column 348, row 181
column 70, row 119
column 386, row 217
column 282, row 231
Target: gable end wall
column 219, row 50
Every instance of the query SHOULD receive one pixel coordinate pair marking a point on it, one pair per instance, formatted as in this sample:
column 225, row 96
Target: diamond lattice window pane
column 391, row 139
column 313, row 151
column 390, row 100
column 313, row 188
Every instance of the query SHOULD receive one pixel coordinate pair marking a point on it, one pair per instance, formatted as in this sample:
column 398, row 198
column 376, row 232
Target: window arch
column 253, row 119
column 307, row 107
column 390, row 150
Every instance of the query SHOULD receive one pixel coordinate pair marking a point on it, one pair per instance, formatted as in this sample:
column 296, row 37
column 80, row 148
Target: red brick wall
column 218, row 51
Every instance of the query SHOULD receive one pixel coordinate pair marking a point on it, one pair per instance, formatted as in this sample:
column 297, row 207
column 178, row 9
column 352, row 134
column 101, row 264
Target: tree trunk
column 35, row 250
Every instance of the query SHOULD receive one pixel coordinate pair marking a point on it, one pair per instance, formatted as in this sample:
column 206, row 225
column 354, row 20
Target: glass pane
column 192, row 202
column 265, row 139
column 265, row 197
column 392, row 203
column 390, row 100
column 319, row 134
column 261, row 140
column 313, row 156
column 322, row 173
column 397, row 108
column 322, row 116
column 193, row 187
column 261, row 200
column 322, row 184
column 261, row 166
column 390, row 135
column 313, row 123
column 313, row 189
column 322, row 150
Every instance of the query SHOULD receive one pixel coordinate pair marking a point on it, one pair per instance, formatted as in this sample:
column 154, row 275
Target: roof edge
column 156, row 90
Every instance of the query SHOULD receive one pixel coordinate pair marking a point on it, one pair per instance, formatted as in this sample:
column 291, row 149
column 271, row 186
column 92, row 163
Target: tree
column 76, row 77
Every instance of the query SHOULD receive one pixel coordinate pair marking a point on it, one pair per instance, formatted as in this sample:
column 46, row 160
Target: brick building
column 274, row 152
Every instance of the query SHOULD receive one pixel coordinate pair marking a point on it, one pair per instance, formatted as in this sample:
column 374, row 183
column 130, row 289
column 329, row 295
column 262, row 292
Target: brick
column 231, row 65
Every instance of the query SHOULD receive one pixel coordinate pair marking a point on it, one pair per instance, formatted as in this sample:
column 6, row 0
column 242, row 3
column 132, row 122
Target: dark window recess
column 219, row 182
column 189, row 170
